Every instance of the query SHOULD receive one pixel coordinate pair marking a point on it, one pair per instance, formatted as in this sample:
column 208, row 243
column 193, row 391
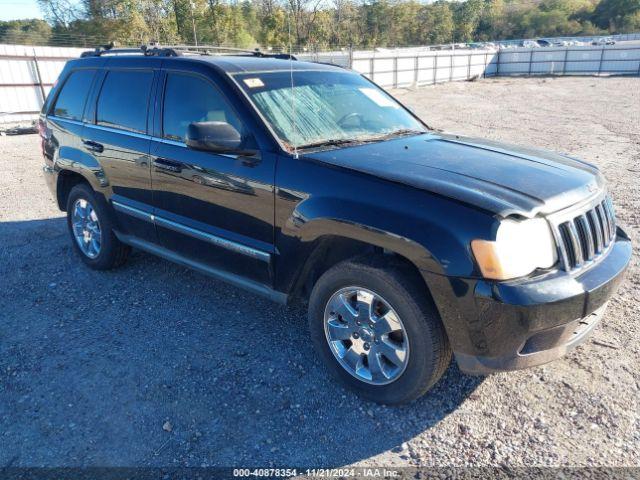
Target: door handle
column 93, row 146
column 167, row 165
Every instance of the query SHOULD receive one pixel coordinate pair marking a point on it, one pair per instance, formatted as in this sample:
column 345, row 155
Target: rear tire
column 91, row 230
column 421, row 351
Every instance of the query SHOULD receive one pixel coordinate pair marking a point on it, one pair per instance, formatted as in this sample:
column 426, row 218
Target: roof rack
column 180, row 50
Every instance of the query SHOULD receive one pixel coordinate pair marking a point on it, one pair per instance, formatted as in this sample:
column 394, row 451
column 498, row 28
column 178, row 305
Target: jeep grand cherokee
column 295, row 179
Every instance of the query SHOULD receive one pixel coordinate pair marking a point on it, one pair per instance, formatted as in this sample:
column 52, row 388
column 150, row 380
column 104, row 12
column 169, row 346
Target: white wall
column 404, row 68
column 19, row 84
column 619, row 59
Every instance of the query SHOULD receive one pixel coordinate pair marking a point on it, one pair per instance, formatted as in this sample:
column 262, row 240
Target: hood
column 503, row 179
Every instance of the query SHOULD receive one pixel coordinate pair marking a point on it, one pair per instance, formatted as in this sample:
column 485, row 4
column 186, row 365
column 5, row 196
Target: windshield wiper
column 356, row 141
column 401, row 133
column 330, row 143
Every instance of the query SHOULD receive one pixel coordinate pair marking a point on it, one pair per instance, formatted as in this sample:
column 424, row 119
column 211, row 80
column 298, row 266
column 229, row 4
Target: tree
column 345, row 29
column 611, row 14
column 437, row 24
column 273, row 25
column 467, row 19
column 317, row 23
column 377, row 17
column 491, row 24
column 61, row 12
column 25, row 32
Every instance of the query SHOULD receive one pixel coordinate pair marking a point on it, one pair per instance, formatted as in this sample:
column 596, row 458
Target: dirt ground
column 156, row 365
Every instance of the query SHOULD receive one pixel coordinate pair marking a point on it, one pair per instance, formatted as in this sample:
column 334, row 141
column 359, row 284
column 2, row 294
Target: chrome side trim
column 176, row 143
column 170, row 142
column 62, row 119
column 134, row 212
column 194, row 233
column 218, row 241
column 231, row 278
column 129, row 133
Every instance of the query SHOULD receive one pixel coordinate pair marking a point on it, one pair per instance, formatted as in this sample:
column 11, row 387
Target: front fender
column 434, row 236
column 315, row 200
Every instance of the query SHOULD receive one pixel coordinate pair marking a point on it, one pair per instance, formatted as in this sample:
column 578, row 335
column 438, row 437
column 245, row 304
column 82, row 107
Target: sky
column 19, row 9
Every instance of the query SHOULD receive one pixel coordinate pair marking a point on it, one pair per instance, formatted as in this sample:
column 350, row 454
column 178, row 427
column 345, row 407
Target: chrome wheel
column 86, row 228
column 366, row 335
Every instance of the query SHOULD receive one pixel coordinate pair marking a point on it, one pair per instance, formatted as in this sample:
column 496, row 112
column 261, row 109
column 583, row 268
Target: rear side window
column 123, row 100
column 188, row 99
column 73, row 96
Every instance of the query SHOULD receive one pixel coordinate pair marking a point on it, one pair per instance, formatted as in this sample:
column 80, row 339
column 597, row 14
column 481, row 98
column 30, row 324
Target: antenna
column 293, row 102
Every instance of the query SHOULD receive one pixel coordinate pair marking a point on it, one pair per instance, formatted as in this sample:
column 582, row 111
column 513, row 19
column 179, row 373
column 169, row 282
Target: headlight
column 519, row 248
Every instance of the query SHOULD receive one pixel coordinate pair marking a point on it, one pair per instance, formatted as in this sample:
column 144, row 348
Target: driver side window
column 188, row 99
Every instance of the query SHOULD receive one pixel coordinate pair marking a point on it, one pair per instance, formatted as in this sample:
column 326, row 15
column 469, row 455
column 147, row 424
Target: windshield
column 330, row 108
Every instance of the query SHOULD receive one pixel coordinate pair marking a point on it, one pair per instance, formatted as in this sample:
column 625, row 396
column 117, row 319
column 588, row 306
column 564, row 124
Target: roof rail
column 209, row 49
column 108, row 48
column 180, row 50
column 142, row 50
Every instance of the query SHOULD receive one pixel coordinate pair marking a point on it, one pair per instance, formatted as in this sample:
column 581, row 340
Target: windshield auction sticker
column 253, row 82
column 378, row 97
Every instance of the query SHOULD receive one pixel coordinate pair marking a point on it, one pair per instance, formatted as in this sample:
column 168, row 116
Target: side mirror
column 218, row 137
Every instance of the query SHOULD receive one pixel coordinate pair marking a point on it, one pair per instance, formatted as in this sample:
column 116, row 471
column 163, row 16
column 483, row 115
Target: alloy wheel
column 86, row 228
column 366, row 335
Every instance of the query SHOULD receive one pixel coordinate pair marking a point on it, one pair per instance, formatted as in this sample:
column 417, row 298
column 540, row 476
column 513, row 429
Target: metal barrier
column 395, row 71
column 588, row 60
column 27, row 74
column 427, row 68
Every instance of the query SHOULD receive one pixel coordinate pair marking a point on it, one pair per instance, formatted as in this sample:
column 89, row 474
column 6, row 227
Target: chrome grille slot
column 604, row 224
column 596, row 228
column 584, row 234
column 575, row 243
column 586, row 237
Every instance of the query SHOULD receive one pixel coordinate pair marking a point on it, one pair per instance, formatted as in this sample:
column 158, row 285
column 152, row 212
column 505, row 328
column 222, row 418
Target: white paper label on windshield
column 253, row 82
column 378, row 97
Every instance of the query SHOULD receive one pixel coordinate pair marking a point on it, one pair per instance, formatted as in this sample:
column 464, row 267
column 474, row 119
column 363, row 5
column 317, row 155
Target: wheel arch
column 74, row 166
column 348, row 241
column 67, row 179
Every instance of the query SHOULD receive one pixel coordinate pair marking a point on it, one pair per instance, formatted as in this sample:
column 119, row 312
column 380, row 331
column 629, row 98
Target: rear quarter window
column 73, row 96
column 124, row 99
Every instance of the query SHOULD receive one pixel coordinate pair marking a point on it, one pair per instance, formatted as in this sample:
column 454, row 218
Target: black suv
column 295, row 179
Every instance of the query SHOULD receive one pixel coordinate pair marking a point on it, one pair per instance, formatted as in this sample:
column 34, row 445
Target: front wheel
column 376, row 329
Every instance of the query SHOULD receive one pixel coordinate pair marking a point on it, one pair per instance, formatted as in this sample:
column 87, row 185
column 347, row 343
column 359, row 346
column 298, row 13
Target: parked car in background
column 604, row 41
column 306, row 181
column 530, row 44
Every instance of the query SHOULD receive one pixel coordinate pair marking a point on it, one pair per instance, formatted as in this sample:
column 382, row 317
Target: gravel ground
column 153, row 364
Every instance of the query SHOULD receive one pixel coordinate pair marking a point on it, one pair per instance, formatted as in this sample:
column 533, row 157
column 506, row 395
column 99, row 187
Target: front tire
column 91, row 230
column 376, row 329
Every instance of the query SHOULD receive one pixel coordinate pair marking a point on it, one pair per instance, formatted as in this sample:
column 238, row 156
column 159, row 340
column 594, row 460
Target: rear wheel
column 91, row 230
column 377, row 331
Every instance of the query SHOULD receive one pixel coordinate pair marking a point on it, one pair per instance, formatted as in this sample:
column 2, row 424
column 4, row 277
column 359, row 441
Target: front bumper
column 498, row 326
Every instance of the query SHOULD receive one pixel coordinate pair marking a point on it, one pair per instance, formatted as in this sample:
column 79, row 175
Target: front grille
column 585, row 235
